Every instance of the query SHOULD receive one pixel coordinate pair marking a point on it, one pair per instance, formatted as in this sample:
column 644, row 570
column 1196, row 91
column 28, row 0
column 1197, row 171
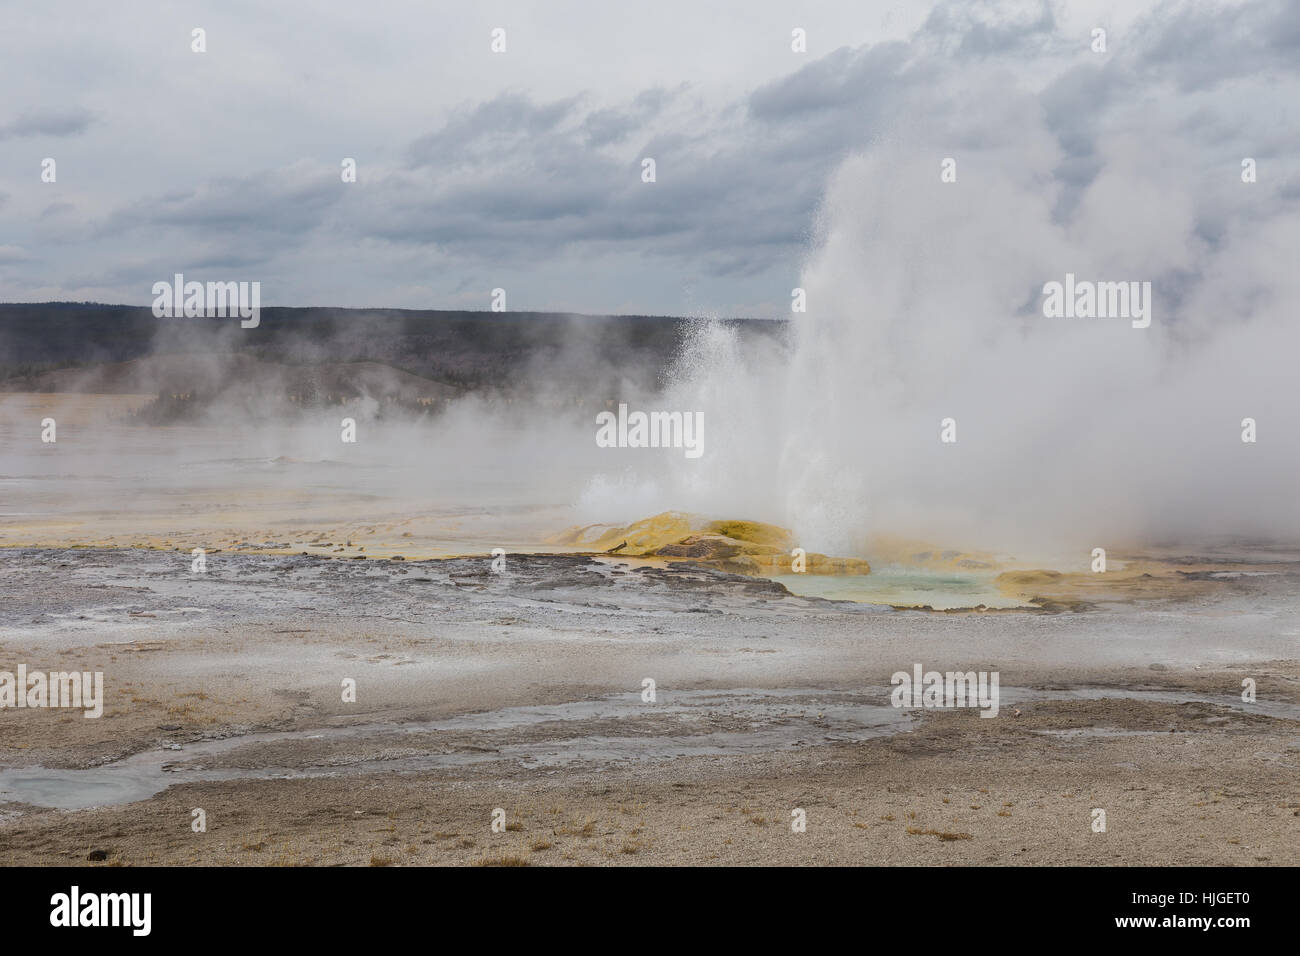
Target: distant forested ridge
column 469, row 351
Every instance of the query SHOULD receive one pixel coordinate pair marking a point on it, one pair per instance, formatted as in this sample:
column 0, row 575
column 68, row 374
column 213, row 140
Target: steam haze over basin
column 921, row 174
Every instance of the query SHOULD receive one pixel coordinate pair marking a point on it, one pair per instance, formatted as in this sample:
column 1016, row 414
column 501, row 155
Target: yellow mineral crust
column 736, row 546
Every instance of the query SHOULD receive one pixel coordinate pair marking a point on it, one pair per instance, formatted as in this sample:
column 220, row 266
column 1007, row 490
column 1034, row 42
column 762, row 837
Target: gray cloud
column 546, row 187
column 1204, row 46
column 972, row 30
column 610, row 126
column 51, row 123
column 507, row 123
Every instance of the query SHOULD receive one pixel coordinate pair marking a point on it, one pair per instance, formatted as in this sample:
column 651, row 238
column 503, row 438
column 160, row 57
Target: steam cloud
column 925, row 302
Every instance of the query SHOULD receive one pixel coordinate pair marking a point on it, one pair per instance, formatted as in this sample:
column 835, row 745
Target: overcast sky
column 522, row 169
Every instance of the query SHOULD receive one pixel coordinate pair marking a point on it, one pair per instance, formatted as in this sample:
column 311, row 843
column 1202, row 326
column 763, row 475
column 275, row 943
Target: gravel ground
column 523, row 691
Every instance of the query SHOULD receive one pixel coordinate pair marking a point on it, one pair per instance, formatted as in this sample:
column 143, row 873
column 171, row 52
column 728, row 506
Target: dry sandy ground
column 252, row 653
column 950, row 792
